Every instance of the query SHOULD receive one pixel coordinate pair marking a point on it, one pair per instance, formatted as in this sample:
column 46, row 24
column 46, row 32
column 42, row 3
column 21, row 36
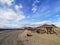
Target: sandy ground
column 9, row 37
column 39, row 39
column 19, row 37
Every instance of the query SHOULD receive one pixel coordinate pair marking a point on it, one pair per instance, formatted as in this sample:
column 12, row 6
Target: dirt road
column 9, row 37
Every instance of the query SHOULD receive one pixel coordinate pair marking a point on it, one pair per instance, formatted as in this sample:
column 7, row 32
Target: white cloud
column 57, row 15
column 34, row 6
column 10, row 19
column 17, row 7
column 36, row 1
column 34, row 9
column 8, row 2
column 57, row 23
column 2, row 25
column 8, row 14
column 47, row 22
column 21, row 6
column 59, row 18
column 43, row 22
column 6, row 25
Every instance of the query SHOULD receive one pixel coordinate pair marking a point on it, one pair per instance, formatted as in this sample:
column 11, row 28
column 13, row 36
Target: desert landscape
column 31, row 36
column 29, row 22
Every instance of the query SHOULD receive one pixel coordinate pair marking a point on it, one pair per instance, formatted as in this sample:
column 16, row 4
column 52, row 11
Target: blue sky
column 14, row 13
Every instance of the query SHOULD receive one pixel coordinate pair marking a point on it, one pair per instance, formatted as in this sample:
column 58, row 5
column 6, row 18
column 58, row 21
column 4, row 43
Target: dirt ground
column 39, row 39
column 20, row 37
column 9, row 37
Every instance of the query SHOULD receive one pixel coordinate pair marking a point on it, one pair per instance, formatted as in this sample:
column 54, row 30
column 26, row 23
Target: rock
column 29, row 35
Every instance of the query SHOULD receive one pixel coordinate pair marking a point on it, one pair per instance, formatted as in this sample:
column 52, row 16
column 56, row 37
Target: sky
column 15, row 13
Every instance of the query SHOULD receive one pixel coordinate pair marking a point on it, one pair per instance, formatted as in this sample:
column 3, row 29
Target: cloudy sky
column 14, row 13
